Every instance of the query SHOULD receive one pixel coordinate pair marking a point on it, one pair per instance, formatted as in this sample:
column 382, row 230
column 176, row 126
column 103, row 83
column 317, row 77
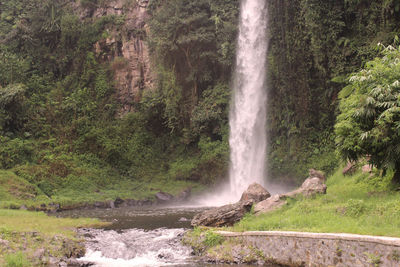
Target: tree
column 369, row 120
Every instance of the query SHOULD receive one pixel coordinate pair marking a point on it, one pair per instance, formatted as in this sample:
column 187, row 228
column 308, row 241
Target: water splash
column 247, row 119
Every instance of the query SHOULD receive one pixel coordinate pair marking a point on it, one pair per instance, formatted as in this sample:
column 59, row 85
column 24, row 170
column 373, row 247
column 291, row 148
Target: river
column 142, row 236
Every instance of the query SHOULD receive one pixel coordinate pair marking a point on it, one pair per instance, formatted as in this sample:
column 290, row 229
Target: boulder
column 118, row 202
column 270, row 204
column 255, row 193
column 310, row 187
column 314, row 173
column 184, row 195
column 223, row 216
column 163, row 197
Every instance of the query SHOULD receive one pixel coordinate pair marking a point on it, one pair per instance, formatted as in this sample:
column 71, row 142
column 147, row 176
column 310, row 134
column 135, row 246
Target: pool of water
column 143, row 236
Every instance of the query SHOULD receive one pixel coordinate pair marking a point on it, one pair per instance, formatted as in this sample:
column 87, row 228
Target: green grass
column 23, row 233
column 16, row 260
column 359, row 204
column 26, row 221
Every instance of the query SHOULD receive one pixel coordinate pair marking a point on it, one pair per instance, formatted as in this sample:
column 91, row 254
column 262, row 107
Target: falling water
column 248, row 110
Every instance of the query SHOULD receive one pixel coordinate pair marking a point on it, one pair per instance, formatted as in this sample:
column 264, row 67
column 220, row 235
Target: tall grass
column 359, row 204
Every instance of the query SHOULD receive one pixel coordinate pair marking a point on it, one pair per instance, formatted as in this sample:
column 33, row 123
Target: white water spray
column 247, row 118
column 249, row 106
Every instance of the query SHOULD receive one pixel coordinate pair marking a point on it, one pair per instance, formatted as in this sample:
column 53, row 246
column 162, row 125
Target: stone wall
column 313, row 249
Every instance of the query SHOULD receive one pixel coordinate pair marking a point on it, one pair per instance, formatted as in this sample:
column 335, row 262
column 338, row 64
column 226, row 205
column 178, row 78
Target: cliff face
column 125, row 48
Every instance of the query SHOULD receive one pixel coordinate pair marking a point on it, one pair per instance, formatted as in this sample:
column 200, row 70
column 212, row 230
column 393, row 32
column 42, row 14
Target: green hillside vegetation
column 64, row 140
column 359, row 204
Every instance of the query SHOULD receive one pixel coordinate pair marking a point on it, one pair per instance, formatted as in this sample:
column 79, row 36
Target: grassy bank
column 360, row 204
column 33, row 238
column 16, row 191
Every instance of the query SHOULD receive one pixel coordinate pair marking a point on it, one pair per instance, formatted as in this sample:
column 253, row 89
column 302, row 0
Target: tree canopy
column 369, row 120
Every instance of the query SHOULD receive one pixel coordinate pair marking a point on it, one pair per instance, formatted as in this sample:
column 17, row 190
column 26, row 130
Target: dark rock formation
column 255, row 193
column 223, row 216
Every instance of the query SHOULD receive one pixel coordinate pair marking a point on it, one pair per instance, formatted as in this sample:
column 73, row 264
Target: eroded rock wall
column 125, row 48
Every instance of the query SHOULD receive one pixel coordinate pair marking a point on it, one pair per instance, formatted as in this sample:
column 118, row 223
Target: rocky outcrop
column 230, row 214
column 314, row 173
column 270, row 204
column 125, row 48
column 163, row 198
column 255, row 193
column 310, row 187
column 223, row 216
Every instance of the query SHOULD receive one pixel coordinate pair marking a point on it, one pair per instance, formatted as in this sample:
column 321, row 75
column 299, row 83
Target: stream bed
column 142, row 236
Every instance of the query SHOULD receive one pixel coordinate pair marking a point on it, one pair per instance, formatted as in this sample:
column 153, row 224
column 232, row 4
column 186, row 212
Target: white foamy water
column 249, row 106
column 134, row 247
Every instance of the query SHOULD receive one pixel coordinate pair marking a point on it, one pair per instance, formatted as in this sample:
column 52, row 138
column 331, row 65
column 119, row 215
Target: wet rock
column 118, row 202
column 183, row 219
column 130, row 202
column 223, row 216
column 314, row 173
column 184, row 195
column 255, row 193
column 53, row 208
column 100, row 205
column 163, row 197
column 270, row 204
column 310, row 187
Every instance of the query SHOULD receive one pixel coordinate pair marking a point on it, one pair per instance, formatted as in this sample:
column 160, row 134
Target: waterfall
column 247, row 119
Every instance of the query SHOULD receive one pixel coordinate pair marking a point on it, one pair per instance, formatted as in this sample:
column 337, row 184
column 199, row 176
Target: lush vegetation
column 61, row 130
column 370, row 112
column 358, row 204
column 314, row 46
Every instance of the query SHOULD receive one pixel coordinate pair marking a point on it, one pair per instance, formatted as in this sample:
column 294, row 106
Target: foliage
column 352, row 205
column 16, row 260
column 370, row 112
column 313, row 47
column 212, row 239
column 193, row 42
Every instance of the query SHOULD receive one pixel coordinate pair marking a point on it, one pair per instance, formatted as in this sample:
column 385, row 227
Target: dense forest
column 66, row 123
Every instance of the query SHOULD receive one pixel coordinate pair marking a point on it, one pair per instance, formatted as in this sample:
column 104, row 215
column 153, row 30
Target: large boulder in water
column 223, row 216
column 255, row 193
column 310, row 187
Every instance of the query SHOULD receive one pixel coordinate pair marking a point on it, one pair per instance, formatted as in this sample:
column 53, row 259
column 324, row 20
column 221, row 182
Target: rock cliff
column 125, row 47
